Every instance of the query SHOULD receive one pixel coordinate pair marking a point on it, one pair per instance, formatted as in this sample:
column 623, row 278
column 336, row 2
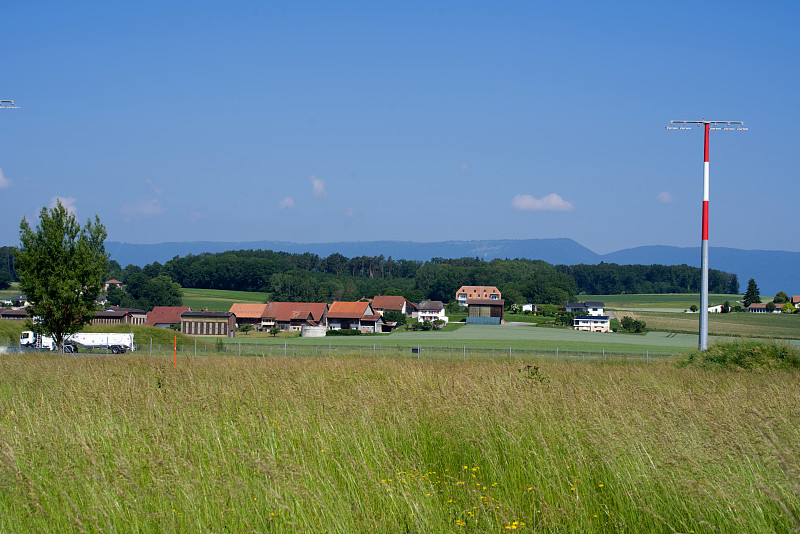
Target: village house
column 761, row 307
column 465, row 293
column 112, row 282
column 294, row 316
column 384, row 303
column 589, row 308
column 353, row 316
column 592, row 323
column 19, row 301
column 431, row 310
column 248, row 313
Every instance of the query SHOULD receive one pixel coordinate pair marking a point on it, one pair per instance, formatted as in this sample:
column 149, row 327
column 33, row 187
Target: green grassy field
column 500, row 338
column 343, row 445
column 676, row 301
column 219, row 300
column 758, row 325
column 13, row 291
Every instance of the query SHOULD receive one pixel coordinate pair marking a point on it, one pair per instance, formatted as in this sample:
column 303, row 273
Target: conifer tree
column 751, row 296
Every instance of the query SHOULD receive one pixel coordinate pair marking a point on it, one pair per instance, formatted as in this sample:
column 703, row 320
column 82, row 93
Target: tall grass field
column 348, row 444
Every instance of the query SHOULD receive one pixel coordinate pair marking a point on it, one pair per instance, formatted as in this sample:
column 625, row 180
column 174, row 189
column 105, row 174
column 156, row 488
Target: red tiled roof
column 370, row 318
column 795, row 299
column 348, row 310
column 248, row 310
column 166, row 315
column 283, row 311
column 301, row 315
column 388, row 302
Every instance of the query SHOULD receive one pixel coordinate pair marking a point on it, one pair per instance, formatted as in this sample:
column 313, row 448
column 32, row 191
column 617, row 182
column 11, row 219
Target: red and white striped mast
column 708, row 127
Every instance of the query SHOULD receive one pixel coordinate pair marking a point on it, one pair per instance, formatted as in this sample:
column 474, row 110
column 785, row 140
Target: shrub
column 745, row 355
column 343, row 332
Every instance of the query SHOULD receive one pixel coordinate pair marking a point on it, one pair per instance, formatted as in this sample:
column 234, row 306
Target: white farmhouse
column 592, row 323
column 431, row 310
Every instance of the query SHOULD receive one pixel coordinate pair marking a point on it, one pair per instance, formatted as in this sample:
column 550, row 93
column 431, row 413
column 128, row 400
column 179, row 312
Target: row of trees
column 611, row 279
column 308, row 277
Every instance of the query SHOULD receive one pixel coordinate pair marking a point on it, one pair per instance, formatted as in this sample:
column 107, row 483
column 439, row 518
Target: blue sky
column 424, row 121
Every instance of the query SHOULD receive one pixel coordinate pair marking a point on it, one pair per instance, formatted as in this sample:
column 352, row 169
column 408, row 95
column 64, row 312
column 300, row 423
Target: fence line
column 418, row 352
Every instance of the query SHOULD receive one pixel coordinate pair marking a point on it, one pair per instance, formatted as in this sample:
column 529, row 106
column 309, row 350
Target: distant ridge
column 773, row 270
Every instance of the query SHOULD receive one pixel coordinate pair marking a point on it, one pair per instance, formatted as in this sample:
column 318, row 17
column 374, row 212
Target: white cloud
column 286, row 203
column 463, row 167
column 551, row 202
column 155, row 189
column 318, row 186
column 350, row 213
column 665, row 197
column 67, row 202
column 4, row 182
column 143, row 209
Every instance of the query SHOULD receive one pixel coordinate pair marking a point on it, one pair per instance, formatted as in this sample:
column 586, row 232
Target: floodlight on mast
column 708, row 127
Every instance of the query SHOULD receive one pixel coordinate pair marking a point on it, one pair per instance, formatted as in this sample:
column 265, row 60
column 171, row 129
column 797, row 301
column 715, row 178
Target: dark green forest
column 311, row 278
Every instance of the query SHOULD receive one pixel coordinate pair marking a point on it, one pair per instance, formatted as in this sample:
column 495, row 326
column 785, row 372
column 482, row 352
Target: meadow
column 753, row 325
column 663, row 301
column 350, row 444
column 218, row 299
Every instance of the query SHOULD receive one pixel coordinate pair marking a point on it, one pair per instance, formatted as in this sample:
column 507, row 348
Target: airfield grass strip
column 744, row 324
column 218, row 444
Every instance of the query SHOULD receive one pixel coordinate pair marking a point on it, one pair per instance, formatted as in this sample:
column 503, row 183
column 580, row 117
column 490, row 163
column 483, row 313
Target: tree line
column 613, row 279
column 311, row 278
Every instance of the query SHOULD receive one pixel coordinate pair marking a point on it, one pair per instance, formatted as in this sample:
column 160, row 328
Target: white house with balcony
column 592, row 323
column 431, row 310
column 589, row 308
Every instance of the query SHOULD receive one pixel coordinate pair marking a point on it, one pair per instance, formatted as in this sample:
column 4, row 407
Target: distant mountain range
column 773, row 270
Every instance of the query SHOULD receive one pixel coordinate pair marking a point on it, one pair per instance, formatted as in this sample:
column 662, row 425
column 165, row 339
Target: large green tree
column 752, row 295
column 60, row 266
column 781, row 298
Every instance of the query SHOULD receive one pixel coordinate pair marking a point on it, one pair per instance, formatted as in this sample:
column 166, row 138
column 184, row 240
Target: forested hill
column 312, row 278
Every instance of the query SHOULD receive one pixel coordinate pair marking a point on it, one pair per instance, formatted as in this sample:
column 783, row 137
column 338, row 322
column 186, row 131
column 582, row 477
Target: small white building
column 592, row 323
column 431, row 310
column 530, row 307
column 589, row 308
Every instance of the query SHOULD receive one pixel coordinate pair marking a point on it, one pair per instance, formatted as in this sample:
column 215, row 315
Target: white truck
column 116, row 343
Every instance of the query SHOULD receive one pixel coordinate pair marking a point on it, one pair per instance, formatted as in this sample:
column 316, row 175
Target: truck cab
column 32, row 340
